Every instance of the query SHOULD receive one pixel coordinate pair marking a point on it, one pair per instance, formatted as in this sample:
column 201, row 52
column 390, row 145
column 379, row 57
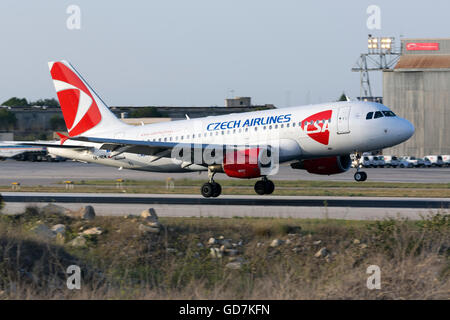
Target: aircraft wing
column 47, row 144
column 154, row 148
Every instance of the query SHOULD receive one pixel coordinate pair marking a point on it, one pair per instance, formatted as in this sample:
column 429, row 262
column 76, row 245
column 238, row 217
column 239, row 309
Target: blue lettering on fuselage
column 248, row 122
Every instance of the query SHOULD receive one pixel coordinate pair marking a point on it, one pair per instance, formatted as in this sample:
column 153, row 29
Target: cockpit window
column 388, row 114
column 378, row 114
column 369, row 116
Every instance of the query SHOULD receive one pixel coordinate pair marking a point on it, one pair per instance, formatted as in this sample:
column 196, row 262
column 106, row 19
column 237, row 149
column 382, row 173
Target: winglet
column 62, row 137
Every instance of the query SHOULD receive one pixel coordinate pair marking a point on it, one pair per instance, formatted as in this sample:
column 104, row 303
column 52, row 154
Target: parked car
column 372, row 161
column 391, row 161
column 378, row 161
column 436, row 160
column 446, row 160
column 424, row 162
column 407, row 162
column 366, row 162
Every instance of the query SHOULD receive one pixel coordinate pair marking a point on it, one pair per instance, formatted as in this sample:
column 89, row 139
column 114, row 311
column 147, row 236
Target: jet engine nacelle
column 248, row 163
column 325, row 166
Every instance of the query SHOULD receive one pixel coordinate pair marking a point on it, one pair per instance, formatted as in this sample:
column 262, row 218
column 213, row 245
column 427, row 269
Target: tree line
column 22, row 102
column 8, row 119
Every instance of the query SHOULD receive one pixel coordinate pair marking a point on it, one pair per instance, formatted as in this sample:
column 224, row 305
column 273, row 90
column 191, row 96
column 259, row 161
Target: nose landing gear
column 359, row 175
column 264, row 186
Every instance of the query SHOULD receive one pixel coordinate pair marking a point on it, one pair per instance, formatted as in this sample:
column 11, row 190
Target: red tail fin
column 82, row 109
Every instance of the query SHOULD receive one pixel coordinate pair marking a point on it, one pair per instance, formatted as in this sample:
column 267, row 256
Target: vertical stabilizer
column 83, row 110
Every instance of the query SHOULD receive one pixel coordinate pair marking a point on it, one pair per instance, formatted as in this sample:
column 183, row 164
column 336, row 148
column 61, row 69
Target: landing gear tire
column 211, row 189
column 264, row 187
column 217, row 189
column 207, row 190
column 259, row 187
column 269, row 187
column 360, row 176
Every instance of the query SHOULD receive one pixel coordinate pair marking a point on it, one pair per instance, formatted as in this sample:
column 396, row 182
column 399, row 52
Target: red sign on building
column 425, row 46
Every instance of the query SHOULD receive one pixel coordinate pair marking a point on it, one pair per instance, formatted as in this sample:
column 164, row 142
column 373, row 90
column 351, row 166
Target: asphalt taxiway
column 354, row 208
column 51, row 173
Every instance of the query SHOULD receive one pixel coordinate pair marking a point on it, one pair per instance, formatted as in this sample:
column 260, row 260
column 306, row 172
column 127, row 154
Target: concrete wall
column 32, row 120
column 196, row 112
column 6, row 136
column 422, row 97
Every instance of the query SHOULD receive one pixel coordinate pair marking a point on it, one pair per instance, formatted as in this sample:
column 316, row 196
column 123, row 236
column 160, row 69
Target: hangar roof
column 423, row 61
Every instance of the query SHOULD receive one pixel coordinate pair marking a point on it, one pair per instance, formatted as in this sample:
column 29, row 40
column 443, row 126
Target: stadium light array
column 380, row 44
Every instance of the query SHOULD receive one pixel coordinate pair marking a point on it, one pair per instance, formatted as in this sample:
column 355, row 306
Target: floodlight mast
column 381, row 55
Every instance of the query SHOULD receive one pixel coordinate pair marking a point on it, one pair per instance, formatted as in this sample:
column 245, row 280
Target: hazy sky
column 198, row 52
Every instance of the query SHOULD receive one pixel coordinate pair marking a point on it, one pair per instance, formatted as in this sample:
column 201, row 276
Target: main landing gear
column 264, row 186
column 359, row 175
column 211, row 188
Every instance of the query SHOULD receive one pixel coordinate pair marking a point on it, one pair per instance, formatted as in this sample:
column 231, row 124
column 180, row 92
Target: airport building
column 38, row 119
column 418, row 89
column 238, row 102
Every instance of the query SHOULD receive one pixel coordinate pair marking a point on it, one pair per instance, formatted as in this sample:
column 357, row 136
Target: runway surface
column 272, row 201
column 354, row 208
column 50, row 173
column 359, row 208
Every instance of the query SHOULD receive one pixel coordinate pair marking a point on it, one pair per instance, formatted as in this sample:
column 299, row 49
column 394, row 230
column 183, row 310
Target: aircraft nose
column 406, row 129
column 409, row 129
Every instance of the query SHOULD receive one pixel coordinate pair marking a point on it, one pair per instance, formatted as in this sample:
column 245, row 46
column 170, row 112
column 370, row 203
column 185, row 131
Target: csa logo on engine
column 316, row 126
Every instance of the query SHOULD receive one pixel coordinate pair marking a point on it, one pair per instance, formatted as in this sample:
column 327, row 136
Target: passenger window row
column 240, row 130
column 379, row 114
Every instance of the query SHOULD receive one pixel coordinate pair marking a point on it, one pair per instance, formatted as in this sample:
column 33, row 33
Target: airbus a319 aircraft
column 317, row 138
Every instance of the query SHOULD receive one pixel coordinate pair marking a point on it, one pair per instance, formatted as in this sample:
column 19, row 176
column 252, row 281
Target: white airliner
column 317, row 138
column 9, row 151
